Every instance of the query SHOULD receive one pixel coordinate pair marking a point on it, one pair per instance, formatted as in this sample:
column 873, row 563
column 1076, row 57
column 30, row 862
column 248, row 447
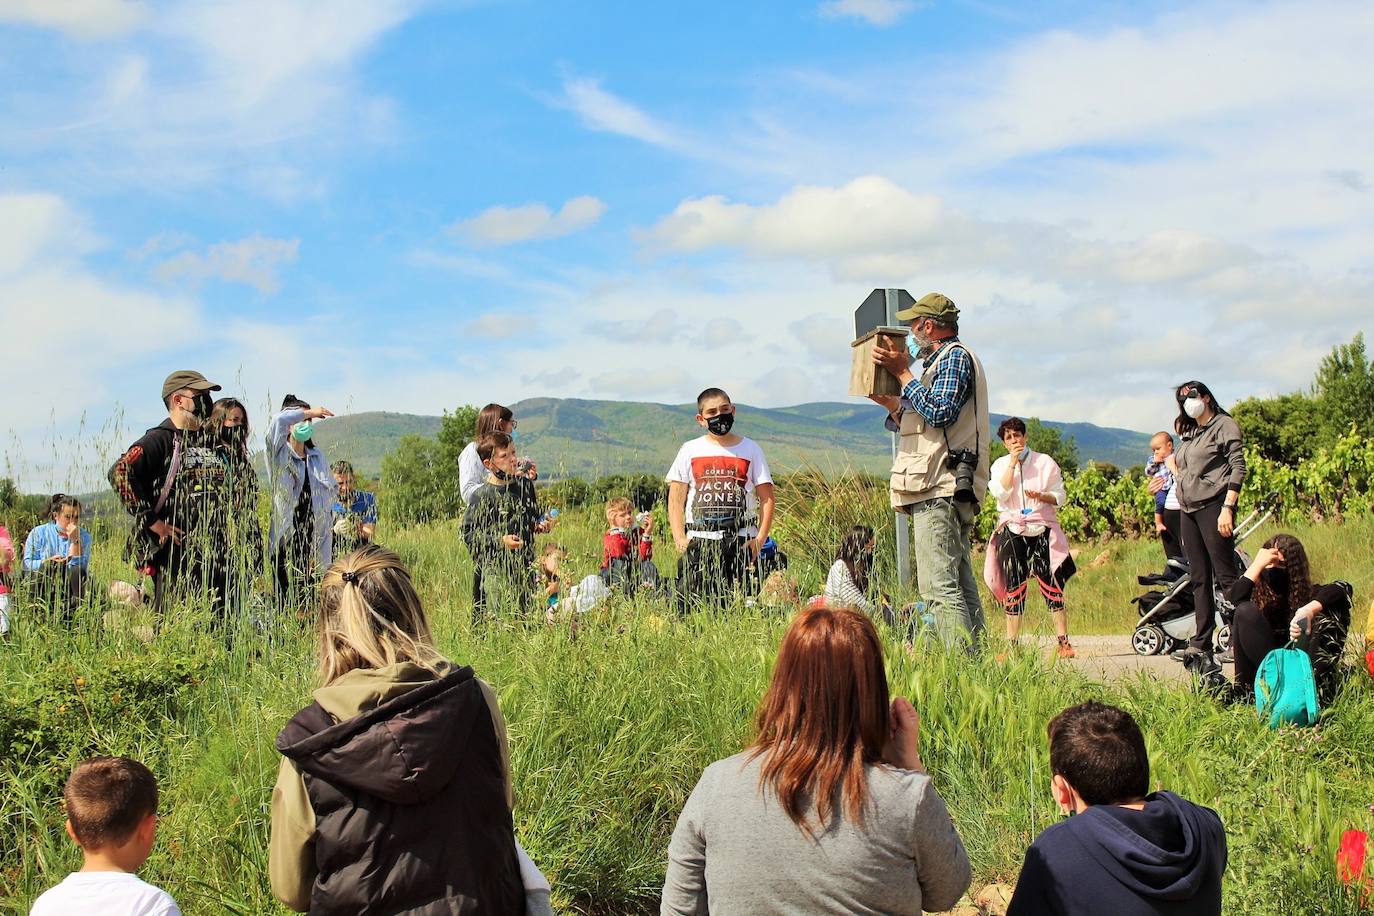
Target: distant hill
column 363, row 438
column 579, row 438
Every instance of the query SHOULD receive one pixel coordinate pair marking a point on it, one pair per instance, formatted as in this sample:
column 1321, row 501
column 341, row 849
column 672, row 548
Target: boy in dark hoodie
column 1121, row 851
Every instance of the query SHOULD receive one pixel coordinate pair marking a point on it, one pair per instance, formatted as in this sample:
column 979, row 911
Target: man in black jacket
column 173, row 481
column 1121, row 851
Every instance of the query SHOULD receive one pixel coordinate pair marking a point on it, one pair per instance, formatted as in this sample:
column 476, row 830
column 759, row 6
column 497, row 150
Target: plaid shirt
column 948, row 392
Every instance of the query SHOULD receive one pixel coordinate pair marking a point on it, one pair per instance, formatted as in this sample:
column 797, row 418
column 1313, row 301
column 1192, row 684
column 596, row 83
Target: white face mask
column 1194, row 407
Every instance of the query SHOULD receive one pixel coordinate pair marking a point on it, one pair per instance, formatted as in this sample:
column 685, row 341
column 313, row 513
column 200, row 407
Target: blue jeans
column 942, row 534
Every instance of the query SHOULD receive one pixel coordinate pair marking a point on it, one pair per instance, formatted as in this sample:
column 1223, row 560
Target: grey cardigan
column 735, row 851
column 1211, row 460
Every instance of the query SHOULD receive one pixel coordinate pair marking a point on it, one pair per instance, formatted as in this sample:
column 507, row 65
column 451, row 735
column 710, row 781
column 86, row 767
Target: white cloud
column 86, row 19
column 881, row 13
column 496, row 325
column 1151, row 307
column 40, row 225
column 507, row 225
column 252, row 261
column 662, row 326
column 253, row 92
column 75, row 330
column 642, row 384
column 603, row 111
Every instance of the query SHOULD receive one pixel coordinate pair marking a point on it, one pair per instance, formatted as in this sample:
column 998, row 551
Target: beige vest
column 919, row 471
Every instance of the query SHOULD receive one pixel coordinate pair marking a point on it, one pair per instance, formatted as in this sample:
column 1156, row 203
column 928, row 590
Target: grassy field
column 609, row 730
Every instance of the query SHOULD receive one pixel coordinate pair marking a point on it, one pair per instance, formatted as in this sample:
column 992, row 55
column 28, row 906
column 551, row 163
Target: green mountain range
column 590, row 439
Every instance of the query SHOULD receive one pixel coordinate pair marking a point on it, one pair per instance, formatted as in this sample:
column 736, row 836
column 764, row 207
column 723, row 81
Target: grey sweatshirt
column 735, row 851
column 1210, row 462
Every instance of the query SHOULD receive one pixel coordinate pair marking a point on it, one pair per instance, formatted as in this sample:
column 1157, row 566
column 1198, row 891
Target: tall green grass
column 610, row 728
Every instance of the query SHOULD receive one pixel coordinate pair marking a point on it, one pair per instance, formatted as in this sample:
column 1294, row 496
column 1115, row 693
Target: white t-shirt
column 104, row 893
column 471, row 472
column 720, row 485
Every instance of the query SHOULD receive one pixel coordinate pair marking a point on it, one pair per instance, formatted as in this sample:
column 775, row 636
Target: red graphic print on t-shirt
column 718, row 485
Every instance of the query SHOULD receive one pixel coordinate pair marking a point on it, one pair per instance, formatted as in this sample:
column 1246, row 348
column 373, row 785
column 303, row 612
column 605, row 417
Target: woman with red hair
column 831, row 809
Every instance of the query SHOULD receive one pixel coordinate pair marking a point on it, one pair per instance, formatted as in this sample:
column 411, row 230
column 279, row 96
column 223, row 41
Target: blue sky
column 408, row 205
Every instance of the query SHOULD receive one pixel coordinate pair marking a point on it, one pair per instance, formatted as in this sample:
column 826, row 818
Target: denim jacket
column 287, row 474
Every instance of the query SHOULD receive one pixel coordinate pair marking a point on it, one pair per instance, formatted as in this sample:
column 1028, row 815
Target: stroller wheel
column 1224, row 638
column 1148, row 640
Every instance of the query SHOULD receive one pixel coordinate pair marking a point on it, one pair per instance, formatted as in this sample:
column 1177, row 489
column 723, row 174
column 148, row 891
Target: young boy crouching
column 112, row 815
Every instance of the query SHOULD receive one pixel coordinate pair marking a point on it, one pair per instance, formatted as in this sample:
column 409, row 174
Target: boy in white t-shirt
column 112, row 815
column 720, row 503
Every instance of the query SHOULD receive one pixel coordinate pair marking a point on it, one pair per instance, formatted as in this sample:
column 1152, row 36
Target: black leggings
column 1022, row 559
column 1254, row 636
column 1170, row 536
column 1211, row 563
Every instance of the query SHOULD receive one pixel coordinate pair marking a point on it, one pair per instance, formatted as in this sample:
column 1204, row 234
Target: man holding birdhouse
column 940, row 474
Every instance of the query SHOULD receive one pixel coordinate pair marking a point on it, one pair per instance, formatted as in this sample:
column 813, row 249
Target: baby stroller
column 1166, row 616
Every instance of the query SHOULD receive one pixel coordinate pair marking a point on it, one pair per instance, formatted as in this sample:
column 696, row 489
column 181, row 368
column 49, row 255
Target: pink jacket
column 1038, row 472
column 6, row 556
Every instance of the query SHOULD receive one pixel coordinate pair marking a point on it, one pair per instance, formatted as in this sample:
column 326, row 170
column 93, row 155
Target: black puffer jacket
column 410, row 805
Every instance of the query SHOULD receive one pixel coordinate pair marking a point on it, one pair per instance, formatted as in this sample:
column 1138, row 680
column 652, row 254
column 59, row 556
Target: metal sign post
column 880, row 308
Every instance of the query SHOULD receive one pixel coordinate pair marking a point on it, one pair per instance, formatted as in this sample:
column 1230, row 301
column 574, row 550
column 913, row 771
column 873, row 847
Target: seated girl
column 1276, row 600
column 58, row 553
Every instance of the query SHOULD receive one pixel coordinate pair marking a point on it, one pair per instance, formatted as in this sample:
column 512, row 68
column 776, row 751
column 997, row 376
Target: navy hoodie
column 1165, row 860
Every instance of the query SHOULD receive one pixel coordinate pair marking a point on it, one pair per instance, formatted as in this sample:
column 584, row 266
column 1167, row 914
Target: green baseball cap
column 186, row 378
column 931, row 305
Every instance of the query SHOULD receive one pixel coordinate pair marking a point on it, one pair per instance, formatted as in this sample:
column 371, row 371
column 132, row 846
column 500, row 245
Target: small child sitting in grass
column 1122, row 849
column 551, row 572
column 112, row 815
column 627, row 550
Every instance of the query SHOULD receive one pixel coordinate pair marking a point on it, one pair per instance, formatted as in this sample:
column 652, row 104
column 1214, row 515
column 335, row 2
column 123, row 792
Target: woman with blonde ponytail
column 394, row 792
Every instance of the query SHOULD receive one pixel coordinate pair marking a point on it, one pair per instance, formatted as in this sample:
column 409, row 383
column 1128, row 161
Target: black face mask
column 201, row 406
column 234, row 434
column 720, row 424
column 500, row 474
column 1276, row 579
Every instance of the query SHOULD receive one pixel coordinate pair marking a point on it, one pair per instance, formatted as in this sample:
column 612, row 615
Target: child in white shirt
column 720, row 503
column 112, row 815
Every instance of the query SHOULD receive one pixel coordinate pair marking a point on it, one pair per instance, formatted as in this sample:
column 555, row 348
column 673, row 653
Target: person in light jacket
column 1029, row 542
column 301, row 540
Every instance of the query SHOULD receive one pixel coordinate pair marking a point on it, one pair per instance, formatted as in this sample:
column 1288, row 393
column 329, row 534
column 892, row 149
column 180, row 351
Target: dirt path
column 1111, row 658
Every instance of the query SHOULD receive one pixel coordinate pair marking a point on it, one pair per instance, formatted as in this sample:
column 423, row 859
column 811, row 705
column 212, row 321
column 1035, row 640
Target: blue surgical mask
column 302, row 432
column 514, row 434
column 912, row 347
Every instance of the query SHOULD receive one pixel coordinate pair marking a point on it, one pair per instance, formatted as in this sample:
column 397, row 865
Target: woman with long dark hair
column 1209, row 467
column 229, row 425
column 1276, row 601
column 846, row 585
column 831, row 809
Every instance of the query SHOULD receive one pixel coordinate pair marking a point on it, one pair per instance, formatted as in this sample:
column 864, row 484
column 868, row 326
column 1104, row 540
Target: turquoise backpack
column 1285, row 689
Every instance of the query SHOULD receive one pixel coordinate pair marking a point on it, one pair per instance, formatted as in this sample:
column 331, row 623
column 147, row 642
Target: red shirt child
column 626, row 540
